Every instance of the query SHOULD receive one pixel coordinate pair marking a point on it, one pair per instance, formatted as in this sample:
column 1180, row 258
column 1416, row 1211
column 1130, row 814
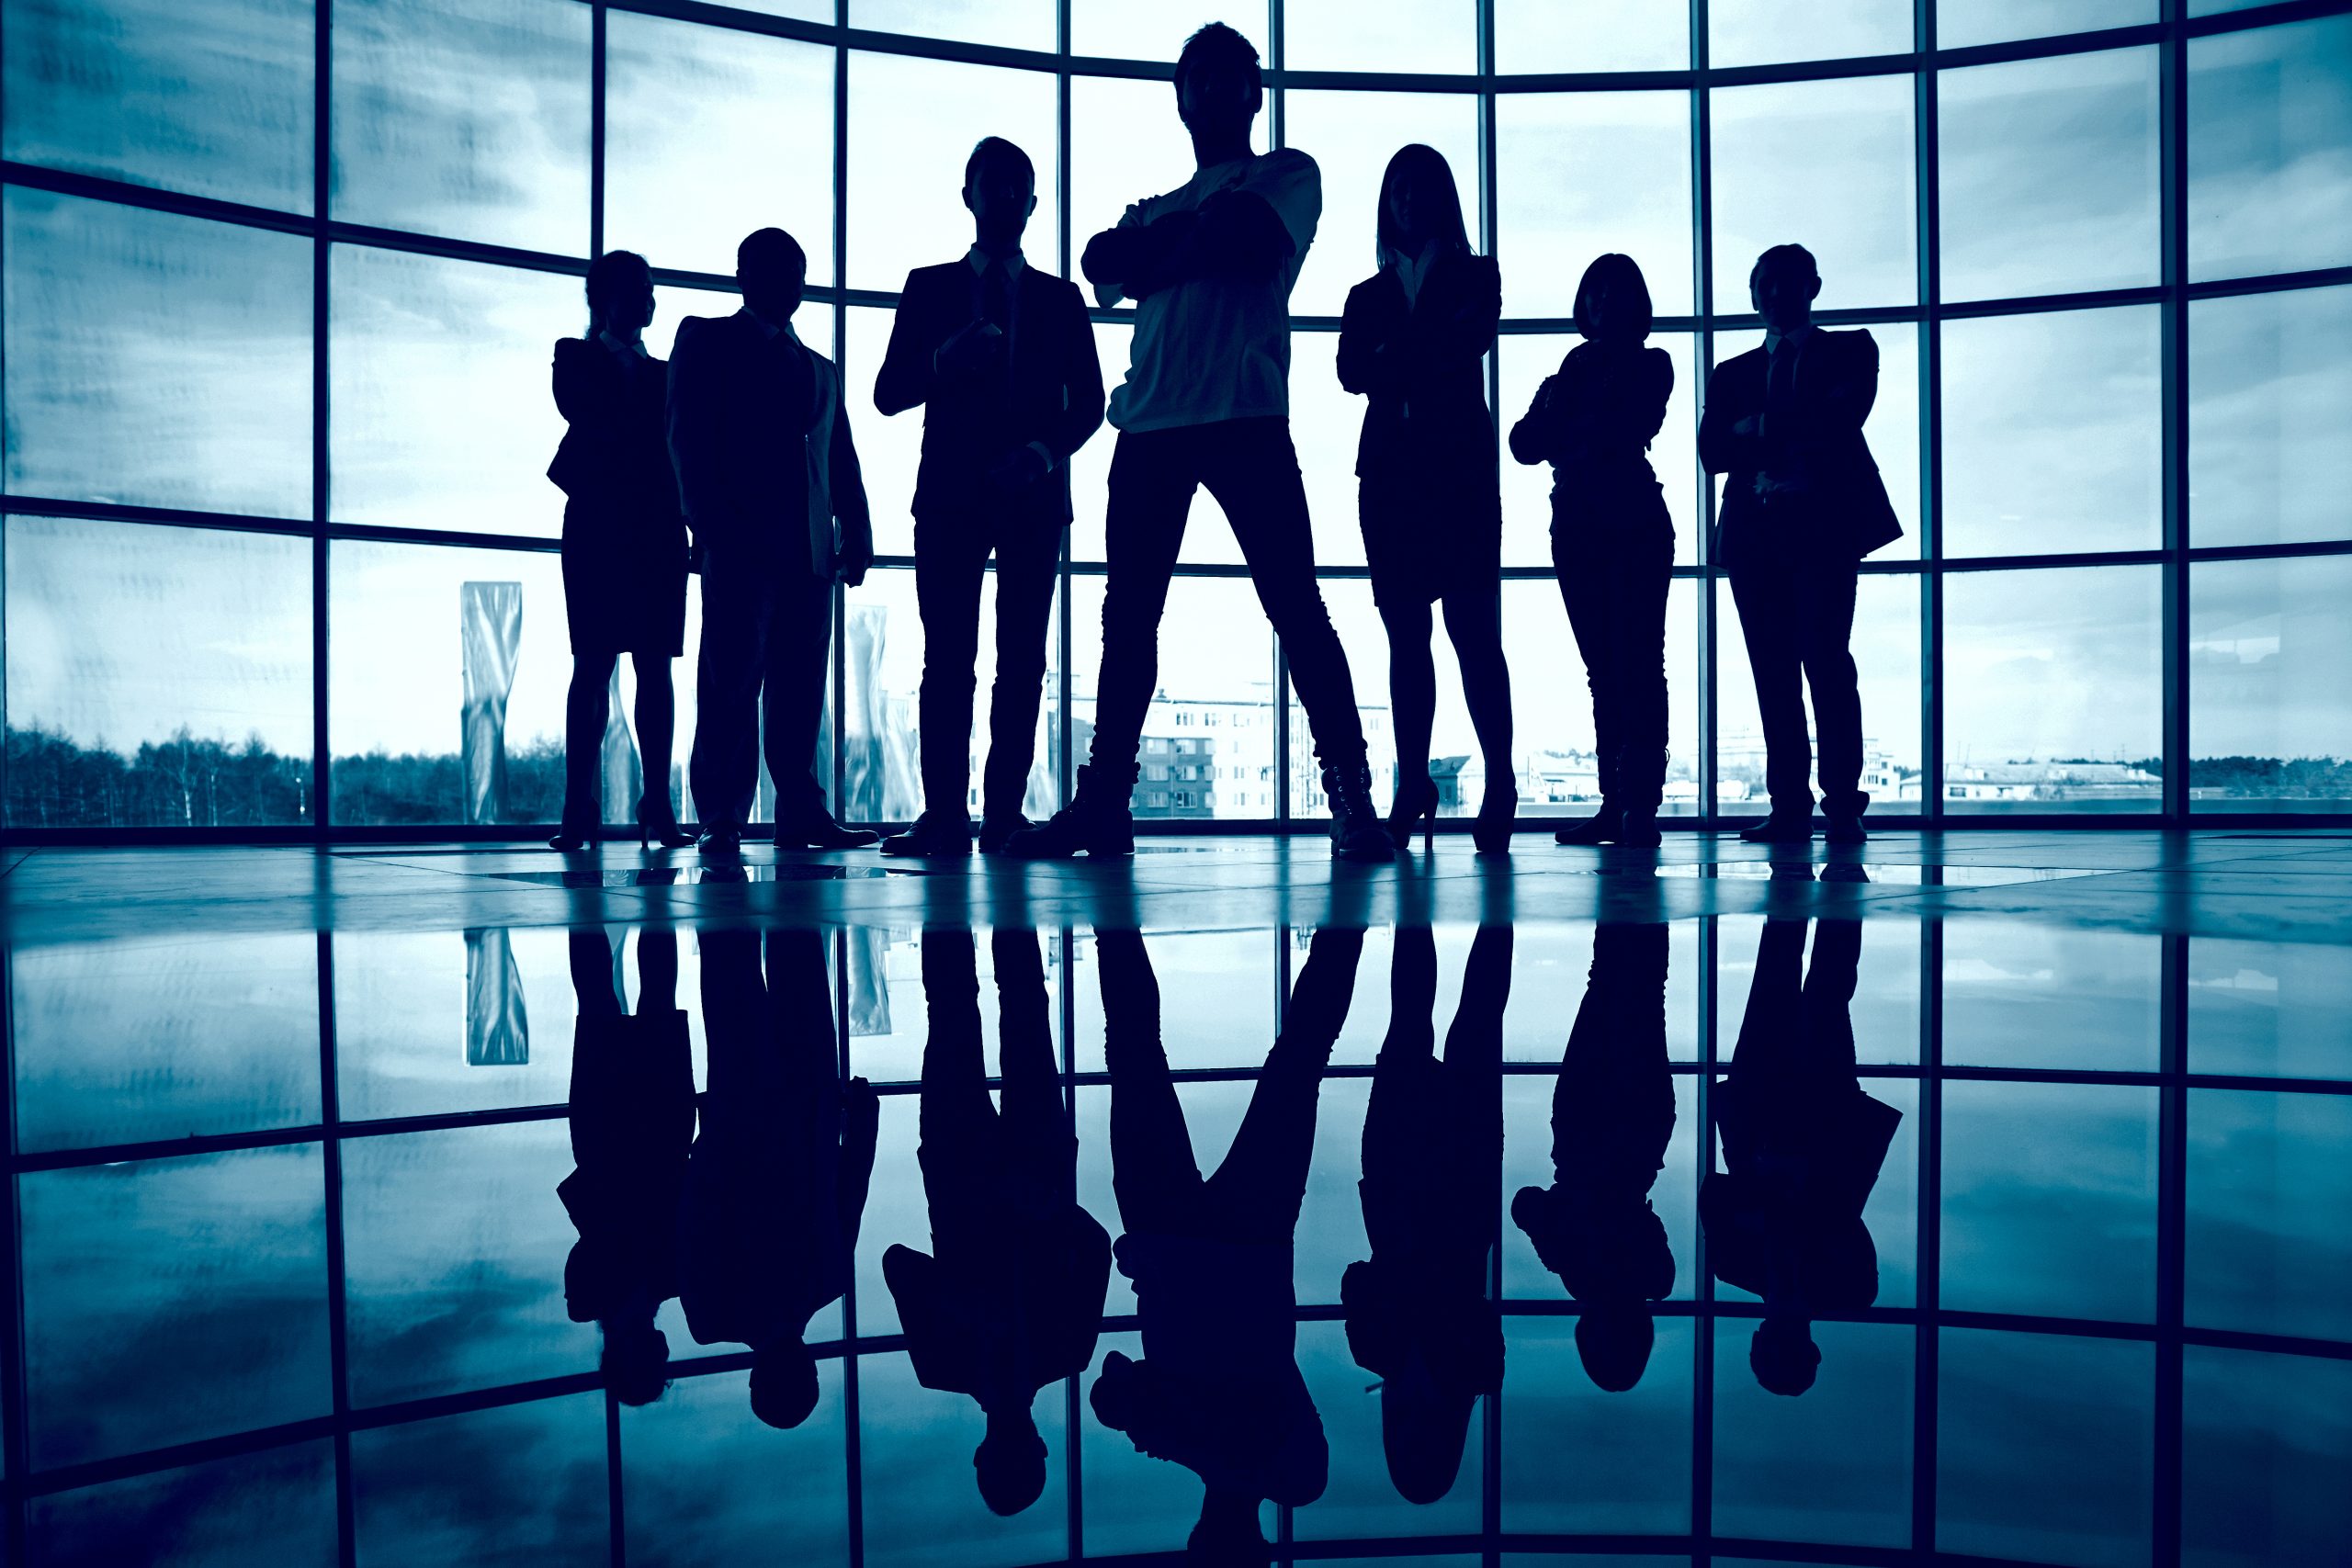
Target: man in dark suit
column 770, row 487
column 1803, row 503
column 1002, row 356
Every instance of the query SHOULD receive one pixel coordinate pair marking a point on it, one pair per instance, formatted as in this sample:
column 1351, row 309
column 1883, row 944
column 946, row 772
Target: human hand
column 1752, row 425
column 1018, row 470
column 973, row 348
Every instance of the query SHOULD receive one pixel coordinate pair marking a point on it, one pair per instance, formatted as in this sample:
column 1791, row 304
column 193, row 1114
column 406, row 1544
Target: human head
column 772, row 270
column 1613, row 1341
column 1219, row 86
column 1781, row 285
column 1419, row 202
column 784, row 1383
column 1613, row 301
column 635, row 1362
column 1010, row 1462
column 1783, row 1356
column 1001, row 189
column 620, row 292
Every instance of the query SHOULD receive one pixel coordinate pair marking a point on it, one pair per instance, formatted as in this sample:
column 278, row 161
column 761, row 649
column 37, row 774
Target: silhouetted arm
column 1466, row 328
column 1632, row 412
column 908, row 373
column 1081, row 414
column 1363, row 367
column 847, row 482
column 1239, row 235
column 1722, row 448
column 1834, row 404
column 575, row 394
column 1536, row 437
column 692, row 417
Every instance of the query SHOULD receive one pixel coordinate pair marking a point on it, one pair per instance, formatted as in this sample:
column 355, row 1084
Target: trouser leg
column 1152, row 481
column 1028, row 559
column 1767, row 615
column 800, row 639
column 951, row 560
column 738, row 599
column 1826, row 629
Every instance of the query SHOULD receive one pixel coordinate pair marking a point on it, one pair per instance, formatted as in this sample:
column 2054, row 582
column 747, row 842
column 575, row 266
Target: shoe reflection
column 1801, row 1148
column 1008, row 1298
column 778, row 1177
column 1612, row 1115
column 1218, row 1389
column 1417, row 1313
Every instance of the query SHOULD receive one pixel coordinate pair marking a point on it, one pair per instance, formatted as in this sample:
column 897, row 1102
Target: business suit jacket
column 615, row 454
column 761, row 440
column 1020, row 1312
column 1431, row 501
column 1053, row 393
column 1843, row 514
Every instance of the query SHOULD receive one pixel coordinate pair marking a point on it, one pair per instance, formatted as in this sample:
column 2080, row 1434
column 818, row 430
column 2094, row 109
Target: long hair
column 1622, row 277
column 611, row 273
column 1440, row 199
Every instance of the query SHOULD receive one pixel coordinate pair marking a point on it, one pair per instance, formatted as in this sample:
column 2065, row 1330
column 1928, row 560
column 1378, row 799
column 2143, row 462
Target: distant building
column 2051, row 780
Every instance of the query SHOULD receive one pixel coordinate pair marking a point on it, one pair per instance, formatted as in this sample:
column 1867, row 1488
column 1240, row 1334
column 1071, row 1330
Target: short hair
column 615, row 270
column 1217, row 44
column 990, row 147
column 770, row 248
column 1621, row 275
column 1788, row 256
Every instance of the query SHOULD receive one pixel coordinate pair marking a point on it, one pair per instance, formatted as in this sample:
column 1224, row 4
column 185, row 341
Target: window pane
column 442, row 412
column 1453, row 750
column 2048, row 176
column 212, row 99
column 513, row 1483
column 1403, row 34
column 1960, row 23
column 2265, row 1442
column 1590, row 35
column 1361, row 1499
column 2052, row 437
column 1887, row 654
column 2270, row 721
column 2052, row 690
column 1759, row 32
column 914, row 1462
column 398, row 689
column 465, row 117
column 1828, row 165
column 280, row 1501
column 881, row 755
column 1629, row 1452
column 2028, row 996
column 2270, row 418
column 124, row 1355
column 1121, row 30
column 912, row 126
column 1350, row 136
column 2265, row 1179
column 157, row 677
column 1582, row 173
column 438, row 1021
column 693, row 117
column 687, row 1451
column 1527, row 358
column 1125, row 144
column 1833, row 1466
column 155, row 360
column 2092, row 1400
column 2270, row 122
column 1893, row 427
column 1325, row 421
column 118, row 1042
column 1008, row 24
column 2270, row 1008
column 1551, row 702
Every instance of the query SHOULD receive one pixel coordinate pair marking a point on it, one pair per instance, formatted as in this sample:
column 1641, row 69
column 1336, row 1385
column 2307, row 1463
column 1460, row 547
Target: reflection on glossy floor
column 1953, row 1207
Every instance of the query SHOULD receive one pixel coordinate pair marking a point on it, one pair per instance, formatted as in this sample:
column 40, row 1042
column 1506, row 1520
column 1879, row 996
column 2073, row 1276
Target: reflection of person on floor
column 632, row 1122
column 1218, row 1390
column 1419, row 1317
column 1010, row 1298
column 1803, row 1146
column 778, row 1178
column 1613, row 1116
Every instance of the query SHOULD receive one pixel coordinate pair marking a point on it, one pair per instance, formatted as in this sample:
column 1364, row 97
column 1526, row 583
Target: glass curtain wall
column 281, row 282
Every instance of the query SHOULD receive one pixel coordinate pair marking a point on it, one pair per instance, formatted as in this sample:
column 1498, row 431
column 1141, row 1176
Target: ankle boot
column 1357, row 833
column 1097, row 821
column 1637, row 827
column 1601, row 827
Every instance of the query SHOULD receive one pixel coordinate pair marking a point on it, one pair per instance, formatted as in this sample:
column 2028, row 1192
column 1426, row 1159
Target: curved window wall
column 278, row 310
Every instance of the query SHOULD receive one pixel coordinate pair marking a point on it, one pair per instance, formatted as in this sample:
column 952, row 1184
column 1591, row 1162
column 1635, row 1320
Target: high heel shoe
column 578, row 830
column 567, row 839
column 1498, row 818
column 660, row 826
column 1414, row 803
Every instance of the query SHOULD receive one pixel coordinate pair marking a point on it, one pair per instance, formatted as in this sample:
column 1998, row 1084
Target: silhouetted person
column 1002, row 355
column 1801, row 1146
column 1613, row 1116
column 1009, row 1297
column 1218, row 1390
column 1613, row 541
column 1419, row 1314
column 1414, row 339
column 772, row 487
column 632, row 1123
column 1206, row 401
column 624, row 546
column 1803, row 503
column 778, row 1178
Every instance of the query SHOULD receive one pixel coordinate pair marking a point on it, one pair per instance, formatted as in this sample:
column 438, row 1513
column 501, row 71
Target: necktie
column 1781, row 376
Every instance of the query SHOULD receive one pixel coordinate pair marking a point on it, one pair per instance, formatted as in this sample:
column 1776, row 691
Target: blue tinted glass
column 2270, row 1008
column 1122, row 31
column 465, row 117
column 1551, row 721
column 1832, row 1466
column 2016, row 220
column 2270, row 718
column 2270, row 417
column 122, row 1355
column 1404, row 35
column 1352, row 136
column 1630, row 1453
column 1007, row 23
column 157, row 677
column 1581, row 173
column 2020, row 996
column 1758, row 32
column 212, row 99
column 684, row 1457
column 912, row 125
column 2269, row 116
column 1361, row 1498
column 2264, row 1444
column 451, row 1021
column 1825, row 165
column 1590, row 35
column 155, row 360
column 517, row 1482
column 278, row 1503
column 2267, row 1178
column 922, row 1503
column 1960, row 23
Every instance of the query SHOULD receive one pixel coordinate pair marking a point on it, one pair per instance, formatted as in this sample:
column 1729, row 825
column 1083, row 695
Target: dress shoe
column 1846, row 830
column 721, row 840
column 1779, row 830
column 1637, row 829
column 821, row 832
column 1096, row 823
column 996, row 830
column 932, row 838
column 1601, row 827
